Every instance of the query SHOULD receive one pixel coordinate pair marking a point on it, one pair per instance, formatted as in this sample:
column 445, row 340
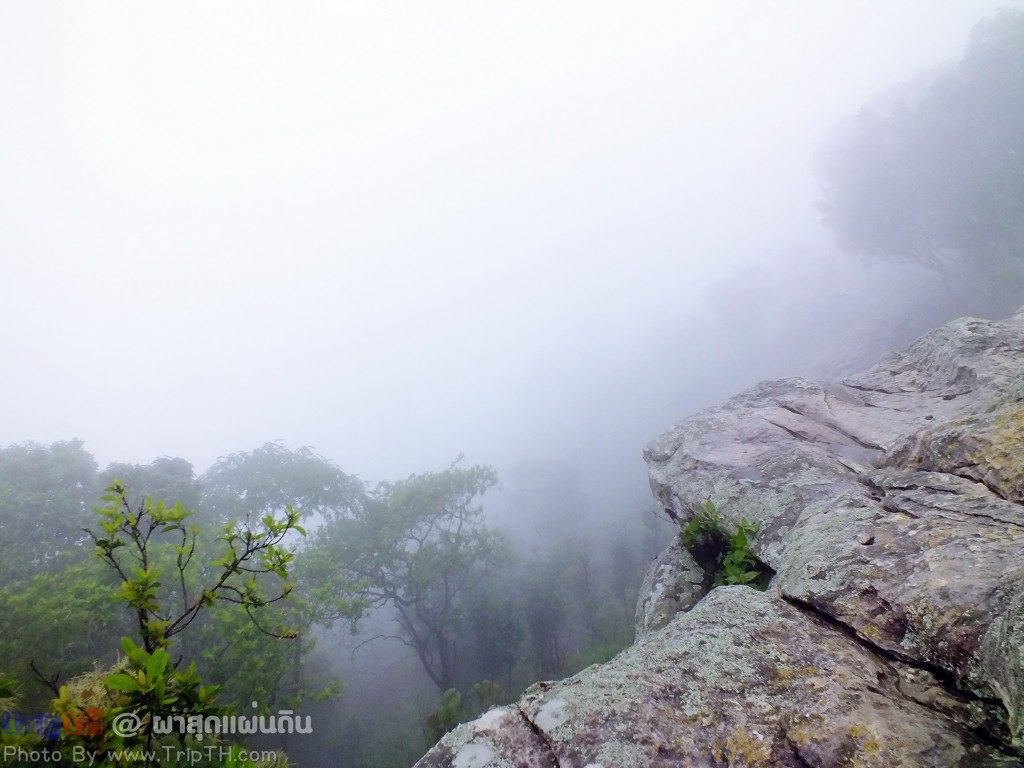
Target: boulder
column 890, row 507
column 674, row 582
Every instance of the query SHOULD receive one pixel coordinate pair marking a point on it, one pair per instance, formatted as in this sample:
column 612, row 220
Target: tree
column 144, row 541
column 164, row 478
column 494, row 618
column 246, row 486
column 937, row 177
column 269, row 478
column 46, row 492
column 545, row 619
column 249, row 485
column 419, row 545
column 59, row 621
column 252, row 552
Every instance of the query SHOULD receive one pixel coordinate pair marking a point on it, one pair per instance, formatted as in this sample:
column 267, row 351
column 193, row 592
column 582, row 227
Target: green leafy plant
column 237, row 577
column 142, row 542
column 705, row 524
column 151, row 684
column 739, row 566
column 707, row 534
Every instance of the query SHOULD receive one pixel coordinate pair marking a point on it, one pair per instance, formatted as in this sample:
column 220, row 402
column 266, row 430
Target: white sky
column 396, row 231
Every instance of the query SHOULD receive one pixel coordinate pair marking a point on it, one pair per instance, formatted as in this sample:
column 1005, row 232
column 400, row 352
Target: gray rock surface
column 674, row 583
column 891, row 508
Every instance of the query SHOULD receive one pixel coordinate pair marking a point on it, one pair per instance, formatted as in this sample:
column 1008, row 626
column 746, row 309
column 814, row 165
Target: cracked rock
column 891, row 507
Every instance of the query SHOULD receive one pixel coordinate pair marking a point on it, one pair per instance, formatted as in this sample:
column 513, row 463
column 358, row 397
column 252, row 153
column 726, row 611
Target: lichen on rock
column 674, row 582
column 891, row 507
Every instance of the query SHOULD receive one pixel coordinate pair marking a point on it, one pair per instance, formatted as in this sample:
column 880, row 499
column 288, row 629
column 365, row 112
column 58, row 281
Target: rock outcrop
column 674, row 583
column 890, row 507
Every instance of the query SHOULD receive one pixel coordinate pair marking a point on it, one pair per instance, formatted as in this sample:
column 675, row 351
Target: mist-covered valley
column 391, row 299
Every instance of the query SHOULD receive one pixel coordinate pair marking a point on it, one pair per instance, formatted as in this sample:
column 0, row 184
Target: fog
column 398, row 233
column 532, row 234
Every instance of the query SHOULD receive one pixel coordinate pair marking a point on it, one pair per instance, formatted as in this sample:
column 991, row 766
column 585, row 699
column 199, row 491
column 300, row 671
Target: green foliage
column 446, row 716
column 64, row 622
column 45, row 498
column 705, row 524
column 487, row 693
column 126, row 543
column 420, row 545
column 9, row 688
column 164, row 478
column 268, row 479
column 229, row 647
column 222, row 639
column 142, row 542
column 55, row 485
column 153, row 685
column 147, row 684
column 739, row 566
column 491, row 619
column 735, row 562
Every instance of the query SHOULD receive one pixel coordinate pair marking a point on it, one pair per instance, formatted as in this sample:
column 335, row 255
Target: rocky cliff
column 889, row 510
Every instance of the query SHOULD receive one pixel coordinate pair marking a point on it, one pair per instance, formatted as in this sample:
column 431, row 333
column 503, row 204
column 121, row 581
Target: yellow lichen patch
column 871, row 632
column 747, row 749
column 786, row 674
column 867, row 747
column 1001, row 448
column 811, row 731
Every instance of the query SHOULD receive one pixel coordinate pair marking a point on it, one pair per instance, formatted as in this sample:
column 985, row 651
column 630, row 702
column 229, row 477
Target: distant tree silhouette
column 938, row 177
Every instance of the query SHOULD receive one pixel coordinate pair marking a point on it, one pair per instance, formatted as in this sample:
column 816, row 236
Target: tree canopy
column 936, row 175
column 46, row 494
column 219, row 587
column 267, row 479
column 420, row 544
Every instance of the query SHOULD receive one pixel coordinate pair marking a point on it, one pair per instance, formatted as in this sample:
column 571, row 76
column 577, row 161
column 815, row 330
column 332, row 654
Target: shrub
column 723, row 552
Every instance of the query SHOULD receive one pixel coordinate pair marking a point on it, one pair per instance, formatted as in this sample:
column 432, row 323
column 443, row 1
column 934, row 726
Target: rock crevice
column 541, row 736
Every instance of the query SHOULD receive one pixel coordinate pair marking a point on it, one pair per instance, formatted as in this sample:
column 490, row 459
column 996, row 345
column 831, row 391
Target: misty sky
column 397, row 232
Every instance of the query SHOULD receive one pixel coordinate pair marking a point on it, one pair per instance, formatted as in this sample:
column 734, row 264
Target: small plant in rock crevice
column 722, row 552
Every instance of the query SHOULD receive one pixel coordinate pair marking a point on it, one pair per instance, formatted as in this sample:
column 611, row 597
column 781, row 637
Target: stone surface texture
column 890, row 506
column 674, row 583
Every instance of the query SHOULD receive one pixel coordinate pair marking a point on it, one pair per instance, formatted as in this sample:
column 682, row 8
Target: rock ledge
column 891, row 508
